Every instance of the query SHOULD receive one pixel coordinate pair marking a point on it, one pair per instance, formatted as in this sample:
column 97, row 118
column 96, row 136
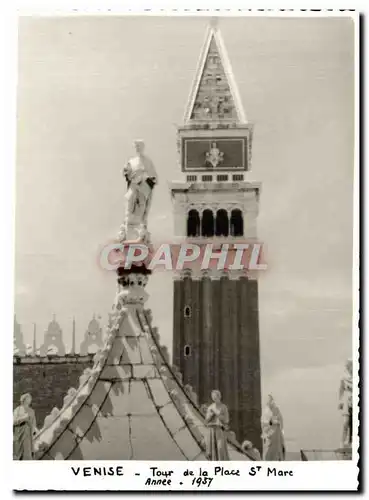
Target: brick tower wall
column 223, row 335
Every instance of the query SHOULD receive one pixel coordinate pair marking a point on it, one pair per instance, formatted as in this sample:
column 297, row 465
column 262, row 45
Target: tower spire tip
column 214, row 22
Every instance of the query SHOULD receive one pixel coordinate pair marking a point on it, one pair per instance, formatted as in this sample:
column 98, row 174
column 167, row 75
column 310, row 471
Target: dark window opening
column 187, row 312
column 207, row 224
column 187, row 351
column 236, row 223
column 222, row 178
column 221, row 223
column 191, row 178
column 193, row 223
column 237, row 177
column 207, row 178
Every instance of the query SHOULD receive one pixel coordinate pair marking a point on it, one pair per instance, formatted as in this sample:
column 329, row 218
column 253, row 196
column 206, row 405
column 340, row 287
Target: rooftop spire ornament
column 214, row 22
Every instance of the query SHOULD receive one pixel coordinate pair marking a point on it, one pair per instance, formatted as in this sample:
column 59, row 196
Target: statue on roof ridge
column 24, row 429
column 345, row 404
column 141, row 177
column 273, row 435
column 217, row 420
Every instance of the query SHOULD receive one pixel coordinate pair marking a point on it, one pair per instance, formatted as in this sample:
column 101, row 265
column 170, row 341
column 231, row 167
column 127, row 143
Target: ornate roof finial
column 34, row 339
column 73, row 350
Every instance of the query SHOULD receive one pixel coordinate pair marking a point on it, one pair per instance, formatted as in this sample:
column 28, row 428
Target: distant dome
column 92, row 341
column 53, row 340
column 54, row 328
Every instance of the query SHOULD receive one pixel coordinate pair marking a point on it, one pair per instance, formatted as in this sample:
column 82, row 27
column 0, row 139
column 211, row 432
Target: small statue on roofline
column 345, row 404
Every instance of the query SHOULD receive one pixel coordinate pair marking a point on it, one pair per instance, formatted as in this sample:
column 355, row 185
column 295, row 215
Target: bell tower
column 216, row 328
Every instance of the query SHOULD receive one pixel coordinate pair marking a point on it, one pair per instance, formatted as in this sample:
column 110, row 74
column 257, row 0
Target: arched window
column 207, row 224
column 236, row 223
column 222, row 224
column 187, row 312
column 187, row 351
column 193, row 223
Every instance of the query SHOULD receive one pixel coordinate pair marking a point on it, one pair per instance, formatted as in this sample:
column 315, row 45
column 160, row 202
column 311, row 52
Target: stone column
column 254, row 364
column 196, row 339
column 249, row 363
column 217, row 330
column 206, row 339
column 177, row 320
column 226, row 355
column 187, row 322
column 243, row 365
column 235, row 355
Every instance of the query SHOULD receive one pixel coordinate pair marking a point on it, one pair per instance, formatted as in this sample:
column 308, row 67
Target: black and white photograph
column 186, row 252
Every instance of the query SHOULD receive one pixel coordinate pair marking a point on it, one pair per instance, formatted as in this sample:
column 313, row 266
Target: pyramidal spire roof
column 214, row 96
column 131, row 405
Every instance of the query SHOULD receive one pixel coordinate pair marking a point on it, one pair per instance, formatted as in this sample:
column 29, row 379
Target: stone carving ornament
column 214, row 157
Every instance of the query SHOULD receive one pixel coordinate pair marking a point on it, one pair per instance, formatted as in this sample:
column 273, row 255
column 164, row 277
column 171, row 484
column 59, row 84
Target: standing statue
column 24, row 429
column 217, row 419
column 345, row 404
column 141, row 178
column 272, row 427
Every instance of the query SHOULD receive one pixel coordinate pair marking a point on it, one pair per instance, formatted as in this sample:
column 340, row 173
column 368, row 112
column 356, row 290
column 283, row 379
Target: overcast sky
column 89, row 86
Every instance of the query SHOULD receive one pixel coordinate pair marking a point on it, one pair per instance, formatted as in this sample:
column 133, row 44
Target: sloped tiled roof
column 130, row 406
